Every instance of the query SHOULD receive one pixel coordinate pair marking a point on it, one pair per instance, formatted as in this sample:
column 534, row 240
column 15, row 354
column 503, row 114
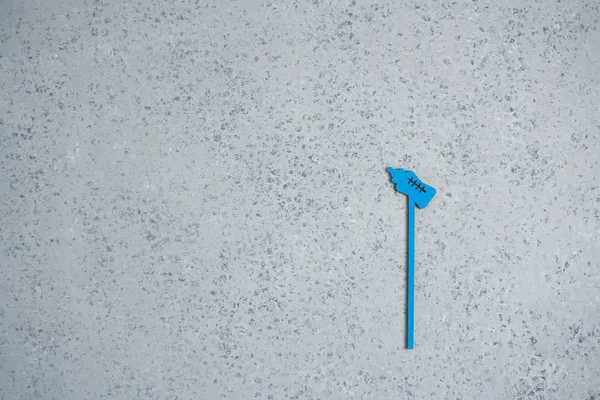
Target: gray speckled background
column 195, row 204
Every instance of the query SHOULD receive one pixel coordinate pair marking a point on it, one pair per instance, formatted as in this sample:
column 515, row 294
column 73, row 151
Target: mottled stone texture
column 194, row 202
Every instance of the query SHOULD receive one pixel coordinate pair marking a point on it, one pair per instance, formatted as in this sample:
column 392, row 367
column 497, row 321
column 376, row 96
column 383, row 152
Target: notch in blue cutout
column 419, row 193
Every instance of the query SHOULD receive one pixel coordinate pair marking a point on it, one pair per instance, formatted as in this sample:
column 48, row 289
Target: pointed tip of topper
column 394, row 173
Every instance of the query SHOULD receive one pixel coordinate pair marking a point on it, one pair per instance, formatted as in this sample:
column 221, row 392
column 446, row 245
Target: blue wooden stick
column 420, row 194
column 410, row 276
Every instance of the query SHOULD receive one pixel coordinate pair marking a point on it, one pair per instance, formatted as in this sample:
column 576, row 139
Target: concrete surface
column 195, row 203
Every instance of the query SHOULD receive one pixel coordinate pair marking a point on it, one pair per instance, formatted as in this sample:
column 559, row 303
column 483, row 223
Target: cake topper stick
column 420, row 194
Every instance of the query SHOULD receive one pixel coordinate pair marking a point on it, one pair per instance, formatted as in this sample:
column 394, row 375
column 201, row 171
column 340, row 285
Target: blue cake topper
column 420, row 194
column 409, row 184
